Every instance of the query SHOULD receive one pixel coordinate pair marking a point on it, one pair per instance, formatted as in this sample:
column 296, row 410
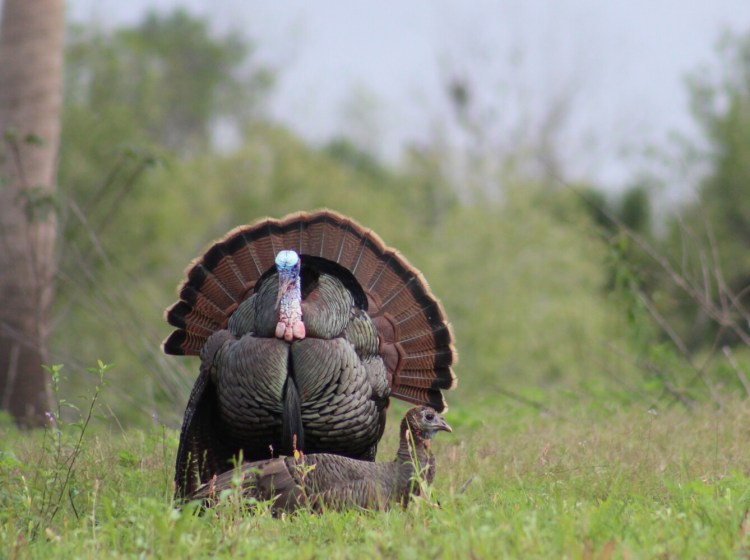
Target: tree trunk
column 31, row 60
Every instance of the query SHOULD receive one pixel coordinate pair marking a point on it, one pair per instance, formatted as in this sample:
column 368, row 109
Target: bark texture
column 31, row 60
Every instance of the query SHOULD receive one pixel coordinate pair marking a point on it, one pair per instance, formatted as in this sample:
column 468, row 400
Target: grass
column 577, row 482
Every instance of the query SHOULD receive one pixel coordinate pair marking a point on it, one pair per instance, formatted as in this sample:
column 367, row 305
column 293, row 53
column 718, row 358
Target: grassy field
column 573, row 481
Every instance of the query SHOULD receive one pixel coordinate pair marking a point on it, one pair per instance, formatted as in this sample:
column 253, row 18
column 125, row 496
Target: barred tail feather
column 416, row 339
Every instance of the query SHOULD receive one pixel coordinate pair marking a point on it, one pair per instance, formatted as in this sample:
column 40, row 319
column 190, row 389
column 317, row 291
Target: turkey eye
column 429, row 416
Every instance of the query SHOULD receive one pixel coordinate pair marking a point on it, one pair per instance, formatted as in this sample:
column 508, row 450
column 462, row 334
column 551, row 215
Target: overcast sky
column 622, row 63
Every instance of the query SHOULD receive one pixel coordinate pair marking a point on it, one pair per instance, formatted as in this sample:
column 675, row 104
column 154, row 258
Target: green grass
column 576, row 482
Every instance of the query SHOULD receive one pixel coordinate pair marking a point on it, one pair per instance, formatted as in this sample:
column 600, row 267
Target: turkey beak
column 441, row 424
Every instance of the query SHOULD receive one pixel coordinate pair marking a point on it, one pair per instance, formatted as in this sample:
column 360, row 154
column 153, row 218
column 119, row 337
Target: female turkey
column 305, row 327
column 322, row 481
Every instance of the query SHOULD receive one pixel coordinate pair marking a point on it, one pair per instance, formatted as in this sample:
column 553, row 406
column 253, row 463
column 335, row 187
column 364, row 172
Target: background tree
column 31, row 44
column 709, row 238
column 169, row 79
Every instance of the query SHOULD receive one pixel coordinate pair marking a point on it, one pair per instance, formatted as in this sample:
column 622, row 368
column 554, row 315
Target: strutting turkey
column 305, row 326
column 322, row 481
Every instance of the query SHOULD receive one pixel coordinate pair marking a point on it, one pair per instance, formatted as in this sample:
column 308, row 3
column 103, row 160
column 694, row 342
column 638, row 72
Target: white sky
column 623, row 62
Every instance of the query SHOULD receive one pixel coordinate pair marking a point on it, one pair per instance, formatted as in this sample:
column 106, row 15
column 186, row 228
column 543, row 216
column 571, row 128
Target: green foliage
column 721, row 106
column 631, row 209
column 710, row 242
column 166, row 80
column 635, row 209
column 50, row 482
column 693, row 281
column 344, row 151
column 522, row 282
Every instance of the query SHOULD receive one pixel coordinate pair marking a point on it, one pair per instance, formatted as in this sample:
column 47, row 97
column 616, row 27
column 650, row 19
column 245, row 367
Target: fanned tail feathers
column 416, row 342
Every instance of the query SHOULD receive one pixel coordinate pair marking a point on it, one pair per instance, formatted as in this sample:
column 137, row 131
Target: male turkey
column 323, row 481
column 305, row 327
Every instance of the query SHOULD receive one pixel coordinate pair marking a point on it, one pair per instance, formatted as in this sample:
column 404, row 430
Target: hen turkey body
column 323, row 481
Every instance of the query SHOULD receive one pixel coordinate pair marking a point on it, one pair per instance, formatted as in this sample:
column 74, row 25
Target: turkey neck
column 289, row 297
column 415, row 454
column 290, row 301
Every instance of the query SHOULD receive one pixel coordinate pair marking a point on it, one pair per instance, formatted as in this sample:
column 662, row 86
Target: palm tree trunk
column 31, row 60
